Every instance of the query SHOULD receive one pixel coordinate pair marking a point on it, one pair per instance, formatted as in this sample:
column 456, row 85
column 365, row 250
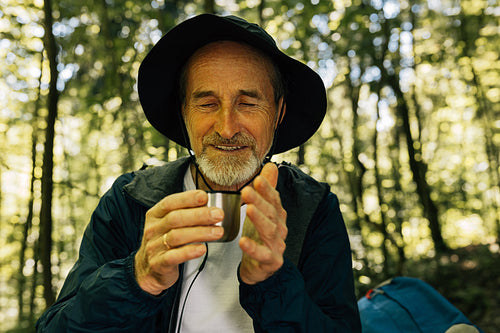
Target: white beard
column 230, row 170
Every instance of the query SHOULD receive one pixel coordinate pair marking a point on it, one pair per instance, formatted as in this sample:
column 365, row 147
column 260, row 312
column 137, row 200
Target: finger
column 199, row 216
column 188, row 199
column 268, row 226
column 259, row 195
column 268, row 193
column 262, row 254
column 176, row 256
column 267, row 201
column 264, row 226
column 180, row 237
column 265, row 184
column 270, row 173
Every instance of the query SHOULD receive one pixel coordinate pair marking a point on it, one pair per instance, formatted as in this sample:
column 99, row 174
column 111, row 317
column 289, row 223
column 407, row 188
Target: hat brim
column 158, row 80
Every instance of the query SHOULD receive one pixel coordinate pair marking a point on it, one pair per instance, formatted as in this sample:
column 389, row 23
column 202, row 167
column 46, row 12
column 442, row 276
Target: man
column 150, row 260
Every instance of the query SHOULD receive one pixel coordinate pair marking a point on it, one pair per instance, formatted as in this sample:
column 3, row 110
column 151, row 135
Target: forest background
column 409, row 144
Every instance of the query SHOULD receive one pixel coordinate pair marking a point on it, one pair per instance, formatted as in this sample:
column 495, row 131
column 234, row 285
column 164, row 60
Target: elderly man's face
column 229, row 111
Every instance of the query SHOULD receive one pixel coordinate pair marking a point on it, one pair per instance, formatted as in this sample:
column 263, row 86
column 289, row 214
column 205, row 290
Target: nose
column 227, row 124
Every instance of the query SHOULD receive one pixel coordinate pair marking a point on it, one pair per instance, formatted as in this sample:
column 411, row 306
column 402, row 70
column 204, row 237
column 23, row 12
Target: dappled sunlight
column 464, row 230
column 409, row 143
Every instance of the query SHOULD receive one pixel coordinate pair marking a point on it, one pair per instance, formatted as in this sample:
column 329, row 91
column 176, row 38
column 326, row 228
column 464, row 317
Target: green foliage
column 439, row 62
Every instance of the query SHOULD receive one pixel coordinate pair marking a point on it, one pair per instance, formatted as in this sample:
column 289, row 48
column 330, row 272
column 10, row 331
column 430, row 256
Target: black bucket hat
column 158, row 81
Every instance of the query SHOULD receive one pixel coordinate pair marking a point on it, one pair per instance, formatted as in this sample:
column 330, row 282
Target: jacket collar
column 151, row 185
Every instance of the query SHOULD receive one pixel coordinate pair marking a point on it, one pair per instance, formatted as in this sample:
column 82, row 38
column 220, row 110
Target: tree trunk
column 301, row 155
column 115, row 85
column 262, row 6
column 397, row 201
column 379, row 58
column 355, row 172
column 167, row 15
column 418, row 168
column 26, row 231
column 113, row 81
column 209, row 6
column 378, row 184
column 492, row 151
column 34, row 284
column 48, row 162
column 29, row 218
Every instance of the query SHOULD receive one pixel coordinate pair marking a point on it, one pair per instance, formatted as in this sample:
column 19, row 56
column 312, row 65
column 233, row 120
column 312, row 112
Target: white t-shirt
column 213, row 303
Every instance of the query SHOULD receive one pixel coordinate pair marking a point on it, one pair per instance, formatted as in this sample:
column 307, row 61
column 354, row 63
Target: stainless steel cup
column 230, row 203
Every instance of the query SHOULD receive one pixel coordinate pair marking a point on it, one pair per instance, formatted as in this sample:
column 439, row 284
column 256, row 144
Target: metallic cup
column 230, row 203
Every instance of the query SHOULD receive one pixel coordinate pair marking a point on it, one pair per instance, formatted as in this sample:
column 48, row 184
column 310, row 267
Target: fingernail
column 217, row 231
column 200, row 249
column 216, row 214
column 200, row 196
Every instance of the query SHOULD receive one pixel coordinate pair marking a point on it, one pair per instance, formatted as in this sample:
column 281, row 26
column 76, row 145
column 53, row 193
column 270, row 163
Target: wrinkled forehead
column 225, row 49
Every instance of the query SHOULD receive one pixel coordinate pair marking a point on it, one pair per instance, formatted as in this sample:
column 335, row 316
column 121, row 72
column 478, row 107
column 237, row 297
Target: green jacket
column 312, row 292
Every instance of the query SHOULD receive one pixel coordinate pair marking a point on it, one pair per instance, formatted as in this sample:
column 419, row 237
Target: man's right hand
column 174, row 232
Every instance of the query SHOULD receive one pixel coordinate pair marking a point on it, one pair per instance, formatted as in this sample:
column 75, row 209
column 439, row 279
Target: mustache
column 239, row 139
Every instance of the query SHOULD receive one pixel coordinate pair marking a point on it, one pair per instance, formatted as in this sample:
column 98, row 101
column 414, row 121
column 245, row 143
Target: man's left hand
column 263, row 251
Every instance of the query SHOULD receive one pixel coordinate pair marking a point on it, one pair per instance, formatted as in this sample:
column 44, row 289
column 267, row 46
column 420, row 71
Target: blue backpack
column 408, row 305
